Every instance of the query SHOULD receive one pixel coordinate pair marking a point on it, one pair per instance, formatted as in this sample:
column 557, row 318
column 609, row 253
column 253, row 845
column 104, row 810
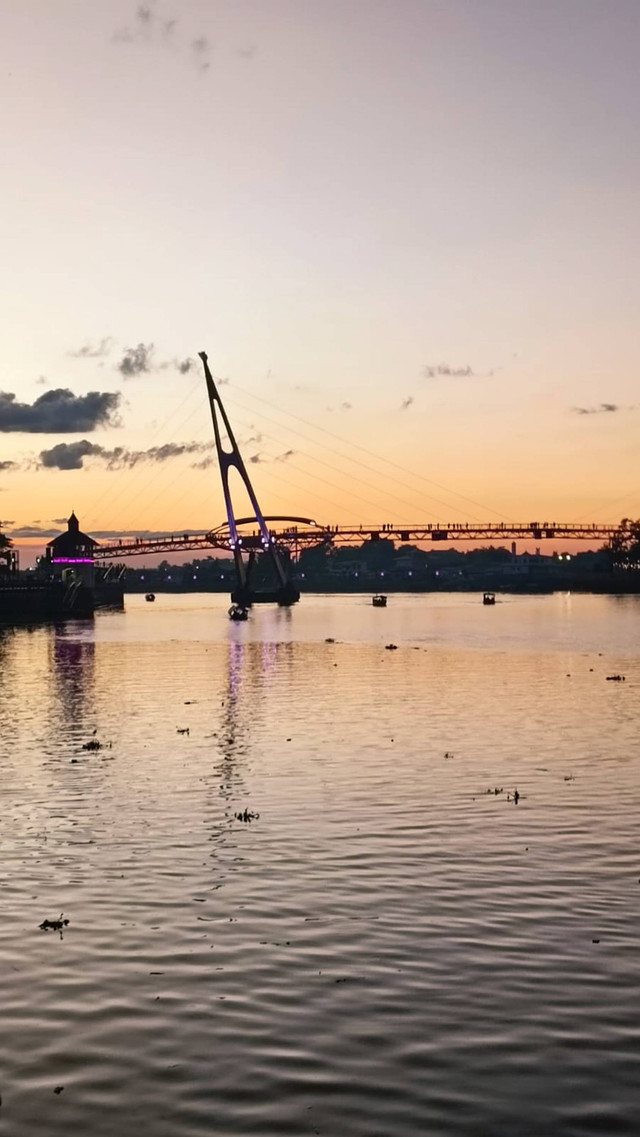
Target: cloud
column 255, row 458
column 145, row 534
column 406, row 403
column 602, row 409
column 71, row 455
column 283, row 457
column 91, row 351
column 68, row 455
column 201, row 51
column 346, row 406
column 165, row 452
column 181, row 365
column 140, row 27
column 141, row 360
column 44, row 532
column 430, row 371
column 34, row 531
column 145, row 27
column 58, row 412
column 136, row 360
column 8, row 465
column 41, row 381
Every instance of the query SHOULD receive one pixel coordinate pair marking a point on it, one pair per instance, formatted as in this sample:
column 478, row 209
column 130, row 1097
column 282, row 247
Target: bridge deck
column 296, row 537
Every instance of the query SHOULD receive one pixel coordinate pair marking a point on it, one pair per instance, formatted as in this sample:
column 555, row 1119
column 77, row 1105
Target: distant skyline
column 405, row 231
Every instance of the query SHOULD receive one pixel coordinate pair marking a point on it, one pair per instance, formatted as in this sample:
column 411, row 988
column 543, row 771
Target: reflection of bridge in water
column 281, row 539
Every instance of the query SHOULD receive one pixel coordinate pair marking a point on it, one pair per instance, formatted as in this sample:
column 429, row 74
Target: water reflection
column 73, row 669
column 388, row 948
column 251, row 670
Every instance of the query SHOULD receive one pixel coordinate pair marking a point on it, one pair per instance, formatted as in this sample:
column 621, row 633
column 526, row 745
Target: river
column 384, row 944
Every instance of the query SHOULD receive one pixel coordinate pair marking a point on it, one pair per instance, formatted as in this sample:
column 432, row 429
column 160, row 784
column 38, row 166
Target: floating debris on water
column 615, row 678
column 54, row 925
column 246, row 815
column 92, row 744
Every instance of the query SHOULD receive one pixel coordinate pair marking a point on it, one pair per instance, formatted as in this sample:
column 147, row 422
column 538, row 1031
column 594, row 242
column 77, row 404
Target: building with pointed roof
column 73, row 548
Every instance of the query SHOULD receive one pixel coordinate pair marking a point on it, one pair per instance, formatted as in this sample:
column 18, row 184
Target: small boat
column 237, row 612
column 379, row 601
column 489, row 598
column 150, row 596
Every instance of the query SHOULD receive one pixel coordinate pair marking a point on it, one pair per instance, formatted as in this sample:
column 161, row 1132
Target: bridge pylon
column 284, row 591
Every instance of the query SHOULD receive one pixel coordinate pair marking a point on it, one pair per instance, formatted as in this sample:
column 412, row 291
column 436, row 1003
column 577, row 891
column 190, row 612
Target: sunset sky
column 405, row 231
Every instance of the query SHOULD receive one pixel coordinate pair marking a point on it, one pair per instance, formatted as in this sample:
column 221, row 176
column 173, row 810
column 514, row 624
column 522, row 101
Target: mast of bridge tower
column 233, row 458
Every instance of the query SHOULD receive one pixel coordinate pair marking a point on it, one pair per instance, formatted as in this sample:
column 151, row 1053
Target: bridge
column 281, row 538
column 297, row 533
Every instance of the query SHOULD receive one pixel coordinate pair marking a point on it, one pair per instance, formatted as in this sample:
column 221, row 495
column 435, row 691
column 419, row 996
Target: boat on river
column 379, row 601
column 489, row 598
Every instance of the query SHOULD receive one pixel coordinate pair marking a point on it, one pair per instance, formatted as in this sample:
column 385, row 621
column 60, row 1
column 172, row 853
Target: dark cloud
column 58, row 412
column 163, row 453
column 93, row 351
column 255, row 458
column 34, row 531
column 68, row 455
column 141, row 360
column 8, row 465
column 204, row 463
column 406, row 403
column 136, row 360
column 71, row 455
column 181, row 365
column 45, row 532
column 602, row 409
column 430, row 371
